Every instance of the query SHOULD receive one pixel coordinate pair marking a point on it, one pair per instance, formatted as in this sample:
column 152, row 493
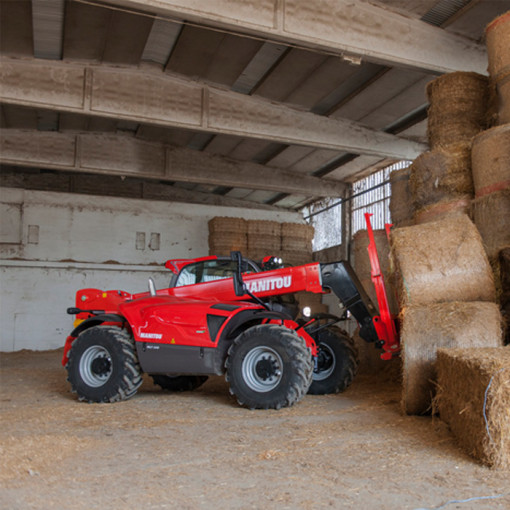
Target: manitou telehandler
column 225, row 316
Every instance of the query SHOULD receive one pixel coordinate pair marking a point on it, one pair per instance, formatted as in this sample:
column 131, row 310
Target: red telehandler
column 226, row 316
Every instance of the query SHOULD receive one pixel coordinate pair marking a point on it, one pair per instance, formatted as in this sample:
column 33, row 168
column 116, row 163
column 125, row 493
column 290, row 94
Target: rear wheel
column 337, row 362
column 103, row 366
column 179, row 382
column 268, row 367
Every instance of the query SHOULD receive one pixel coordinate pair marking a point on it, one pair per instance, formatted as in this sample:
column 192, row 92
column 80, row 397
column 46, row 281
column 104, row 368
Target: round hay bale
column 442, row 173
column 424, row 329
column 490, row 160
column 401, row 202
column 223, row 224
column 491, row 214
column 458, row 106
column 497, row 37
column 441, row 261
column 503, row 87
column 443, row 209
column 474, row 400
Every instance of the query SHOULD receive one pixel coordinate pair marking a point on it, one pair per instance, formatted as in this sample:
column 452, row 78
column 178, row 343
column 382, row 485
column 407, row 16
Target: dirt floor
column 200, row 450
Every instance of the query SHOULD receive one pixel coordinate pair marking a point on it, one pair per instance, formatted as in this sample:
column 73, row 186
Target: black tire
column 103, row 365
column 337, row 362
column 179, row 382
column 268, row 367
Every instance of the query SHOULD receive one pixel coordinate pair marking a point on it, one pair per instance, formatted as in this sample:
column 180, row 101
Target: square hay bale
column 441, row 261
column 474, row 400
column 441, row 325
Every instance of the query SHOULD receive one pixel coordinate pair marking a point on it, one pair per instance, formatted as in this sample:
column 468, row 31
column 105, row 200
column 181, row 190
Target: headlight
column 307, row 311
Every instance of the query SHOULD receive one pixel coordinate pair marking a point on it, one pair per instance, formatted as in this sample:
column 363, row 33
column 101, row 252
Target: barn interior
column 133, row 132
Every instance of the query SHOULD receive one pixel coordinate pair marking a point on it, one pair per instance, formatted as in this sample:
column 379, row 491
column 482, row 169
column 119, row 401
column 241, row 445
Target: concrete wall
column 52, row 244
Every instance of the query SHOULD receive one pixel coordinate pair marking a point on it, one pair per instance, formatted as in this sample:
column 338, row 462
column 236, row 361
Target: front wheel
column 268, row 367
column 337, row 362
column 103, row 366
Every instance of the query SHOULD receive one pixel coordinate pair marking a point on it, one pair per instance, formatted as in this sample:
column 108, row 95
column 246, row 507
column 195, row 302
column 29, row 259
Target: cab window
column 208, row 271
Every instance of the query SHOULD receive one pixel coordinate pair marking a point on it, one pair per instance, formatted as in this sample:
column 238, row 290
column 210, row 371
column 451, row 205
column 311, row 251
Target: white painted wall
column 52, row 244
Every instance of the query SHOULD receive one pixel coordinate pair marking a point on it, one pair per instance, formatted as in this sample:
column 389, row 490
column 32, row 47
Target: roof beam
column 124, row 155
column 158, row 98
column 344, row 27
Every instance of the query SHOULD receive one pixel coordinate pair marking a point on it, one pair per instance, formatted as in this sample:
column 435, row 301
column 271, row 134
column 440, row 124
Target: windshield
column 209, row 270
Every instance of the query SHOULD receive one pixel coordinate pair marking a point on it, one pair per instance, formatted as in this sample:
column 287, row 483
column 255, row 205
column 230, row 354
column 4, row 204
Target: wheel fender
column 86, row 324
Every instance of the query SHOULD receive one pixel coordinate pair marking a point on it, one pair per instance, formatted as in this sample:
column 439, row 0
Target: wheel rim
column 262, row 369
column 326, row 363
column 95, row 366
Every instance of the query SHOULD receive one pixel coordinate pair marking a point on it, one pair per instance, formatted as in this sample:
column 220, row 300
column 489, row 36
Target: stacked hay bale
column 441, row 181
column 296, row 242
column 401, row 202
column 296, row 250
column 369, row 356
column 447, row 295
column 491, row 176
column 226, row 235
column 474, row 400
column 491, row 155
column 497, row 35
column 264, row 239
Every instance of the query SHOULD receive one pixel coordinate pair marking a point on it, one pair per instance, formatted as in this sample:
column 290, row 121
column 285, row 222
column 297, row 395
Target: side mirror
column 152, row 287
column 238, row 277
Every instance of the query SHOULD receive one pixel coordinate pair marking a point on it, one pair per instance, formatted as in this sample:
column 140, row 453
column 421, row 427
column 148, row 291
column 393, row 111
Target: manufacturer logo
column 155, row 336
column 270, row 284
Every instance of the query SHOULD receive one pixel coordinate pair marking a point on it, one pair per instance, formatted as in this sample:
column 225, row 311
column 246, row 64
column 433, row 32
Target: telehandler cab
column 224, row 316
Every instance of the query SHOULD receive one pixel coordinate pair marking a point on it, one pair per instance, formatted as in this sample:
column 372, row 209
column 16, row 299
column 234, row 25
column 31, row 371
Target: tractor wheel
column 337, row 362
column 268, row 367
column 103, row 365
column 179, row 382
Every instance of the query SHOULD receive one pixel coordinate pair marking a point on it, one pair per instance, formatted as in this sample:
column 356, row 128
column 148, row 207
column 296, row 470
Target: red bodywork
column 178, row 315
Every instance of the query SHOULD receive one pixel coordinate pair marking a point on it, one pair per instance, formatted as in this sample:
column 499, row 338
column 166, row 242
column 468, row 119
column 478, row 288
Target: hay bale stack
column 296, row 257
column 226, row 235
column 297, row 236
column 441, row 325
column 441, row 261
column 443, row 209
column 264, row 238
column 296, row 242
column 497, row 36
column 491, row 214
column 441, row 174
column 401, row 201
column 474, row 400
column 458, row 106
column 490, row 160
column 503, row 88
